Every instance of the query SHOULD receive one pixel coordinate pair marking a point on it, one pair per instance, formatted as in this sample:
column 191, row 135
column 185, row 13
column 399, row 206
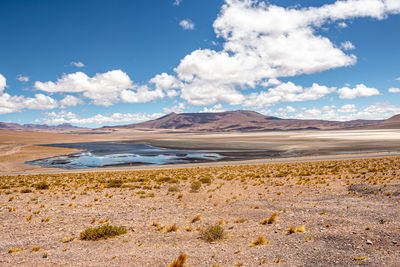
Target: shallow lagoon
column 107, row 154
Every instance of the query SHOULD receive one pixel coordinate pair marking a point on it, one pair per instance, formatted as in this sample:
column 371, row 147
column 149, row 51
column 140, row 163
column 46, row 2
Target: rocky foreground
column 328, row 213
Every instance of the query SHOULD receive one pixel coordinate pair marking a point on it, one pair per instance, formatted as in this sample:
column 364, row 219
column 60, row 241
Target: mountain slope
column 35, row 127
column 239, row 120
column 391, row 123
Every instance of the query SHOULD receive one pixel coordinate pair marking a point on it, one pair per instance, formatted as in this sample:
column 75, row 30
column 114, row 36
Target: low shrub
column 195, row 186
column 102, row 232
column 205, row 180
column 41, row 186
column 27, row 190
column 213, row 233
column 173, row 188
column 113, row 183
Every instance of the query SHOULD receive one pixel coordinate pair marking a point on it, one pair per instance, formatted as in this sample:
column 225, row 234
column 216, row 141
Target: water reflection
column 106, row 154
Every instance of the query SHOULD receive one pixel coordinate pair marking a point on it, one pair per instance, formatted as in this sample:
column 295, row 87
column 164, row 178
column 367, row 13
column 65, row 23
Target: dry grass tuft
column 66, row 239
column 271, row 220
column 359, row 258
column 197, row 218
column 240, row 220
column 301, row 229
column 172, row 228
column 180, row 261
column 260, row 241
column 291, row 230
column 15, row 250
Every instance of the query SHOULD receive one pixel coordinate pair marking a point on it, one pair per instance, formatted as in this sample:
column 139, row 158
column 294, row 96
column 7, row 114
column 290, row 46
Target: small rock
column 369, row 242
column 394, row 242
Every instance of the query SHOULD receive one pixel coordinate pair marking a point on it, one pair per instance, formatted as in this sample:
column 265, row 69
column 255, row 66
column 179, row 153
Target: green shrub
column 41, row 186
column 195, row 186
column 114, row 183
column 205, row 180
column 212, row 233
column 102, row 232
column 27, row 190
column 168, row 180
column 173, row 188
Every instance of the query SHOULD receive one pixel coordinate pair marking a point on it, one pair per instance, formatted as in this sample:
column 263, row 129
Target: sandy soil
column 349, row 209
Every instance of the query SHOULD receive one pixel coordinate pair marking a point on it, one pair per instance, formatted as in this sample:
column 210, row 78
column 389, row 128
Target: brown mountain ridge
column 242, row 121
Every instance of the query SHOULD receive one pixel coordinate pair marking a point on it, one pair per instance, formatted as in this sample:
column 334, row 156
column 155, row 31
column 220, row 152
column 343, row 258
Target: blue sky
column 94, row 63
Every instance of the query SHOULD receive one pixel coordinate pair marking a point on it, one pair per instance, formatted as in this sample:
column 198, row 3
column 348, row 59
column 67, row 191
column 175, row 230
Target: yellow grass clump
column 271, row 220
column 197, row 218
column 179, row 262
column 292, row 230
column 260, row 241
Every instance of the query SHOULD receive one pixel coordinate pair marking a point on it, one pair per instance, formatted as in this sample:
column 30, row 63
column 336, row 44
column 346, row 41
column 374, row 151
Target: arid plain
column 335, row 196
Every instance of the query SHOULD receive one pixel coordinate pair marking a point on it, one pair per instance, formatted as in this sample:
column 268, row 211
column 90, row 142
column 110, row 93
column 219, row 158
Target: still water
column 107, row 154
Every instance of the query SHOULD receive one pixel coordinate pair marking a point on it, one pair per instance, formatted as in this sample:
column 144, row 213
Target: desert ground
column 335, row 205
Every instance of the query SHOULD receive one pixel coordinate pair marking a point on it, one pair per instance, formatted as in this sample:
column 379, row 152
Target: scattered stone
column 369, row 242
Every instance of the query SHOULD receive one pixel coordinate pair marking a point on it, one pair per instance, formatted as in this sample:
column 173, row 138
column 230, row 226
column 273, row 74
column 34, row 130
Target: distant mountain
column 241, row 121
column 391, row 123
column 36, row 127
column 394, row 119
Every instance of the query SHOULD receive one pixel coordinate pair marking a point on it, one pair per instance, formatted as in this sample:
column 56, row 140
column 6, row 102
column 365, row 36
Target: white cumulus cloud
column 187, row 24
column 377, row 111
column 176, row 109
column 359, row 90
column 103, row 89
column 394, row 90
column 282, row 112
column 78, row 64
column 205, row 93
column 70, row 101
column 14, row 103
column 69, row 117
column 287, row 92
column 213, row 109
column 142, row 94
column 167, row 82
column 349, row 108
column 347, row 45
column 177, row 2
column 10, row 104
column 22, row 78
column 262, row 41
column 3, row 83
